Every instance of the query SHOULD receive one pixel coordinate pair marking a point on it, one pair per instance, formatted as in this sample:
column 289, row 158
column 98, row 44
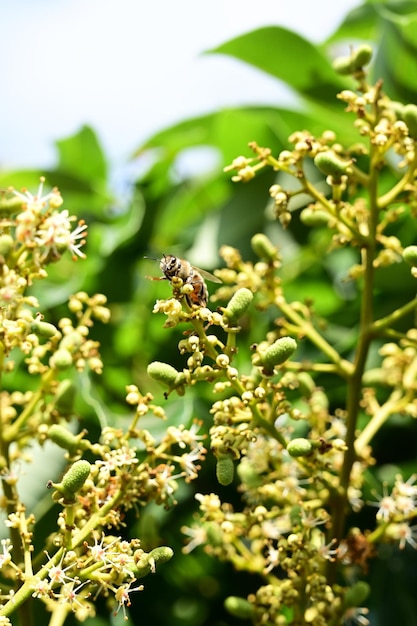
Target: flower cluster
column 301, row 460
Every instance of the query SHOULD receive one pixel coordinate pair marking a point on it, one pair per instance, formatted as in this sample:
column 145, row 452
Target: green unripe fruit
column 225, row 470
column 299, row 447
column 63, row 438
column 238, row 304
column 330, row 164
column 306, row 384
column 6, row 244
column 162, row 554
column 11, row 205
column 74, row 479
column 163, row 373
column 410, row 255
column 146, row 562
column 239, row 607
column 279, row 352
column 357, row 594
column 65, row 397
column 313, row 218
column 264, row 248
column 44, row 329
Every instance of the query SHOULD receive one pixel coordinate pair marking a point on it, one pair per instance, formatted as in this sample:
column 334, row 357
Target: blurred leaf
column 360, row 23
column 286, row 55
column 82, row 156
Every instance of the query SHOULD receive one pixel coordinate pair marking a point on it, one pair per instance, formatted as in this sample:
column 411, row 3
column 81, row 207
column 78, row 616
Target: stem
column 354, row 390
column 343, row 367
column 395, row 403
column 389, row 320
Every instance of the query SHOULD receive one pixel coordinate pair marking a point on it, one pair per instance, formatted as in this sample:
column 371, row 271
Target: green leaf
column 361, row 23
column 289, row 57
column 82, row 155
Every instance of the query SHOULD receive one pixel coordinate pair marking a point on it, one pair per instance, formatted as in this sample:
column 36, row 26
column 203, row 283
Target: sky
column 130, row 68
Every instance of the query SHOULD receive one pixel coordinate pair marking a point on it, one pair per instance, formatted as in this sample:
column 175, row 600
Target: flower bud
column 361, row 56
column 355, row 62
column 239, row 607
column 263, row 247
column 357, row 594
column 279, row 352
column 299, row 447
column 410, row 255
column 6, row 244
column 72, row 341
column 163, row 373
column 331, row 165
column 238, row 304
column 225, row 469
column 410, row 118
column 61, row 359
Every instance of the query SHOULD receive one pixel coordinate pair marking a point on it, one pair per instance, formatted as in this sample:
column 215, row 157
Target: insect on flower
column 174, row 267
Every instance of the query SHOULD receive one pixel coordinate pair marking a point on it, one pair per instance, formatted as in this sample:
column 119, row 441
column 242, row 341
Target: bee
column 173, row 267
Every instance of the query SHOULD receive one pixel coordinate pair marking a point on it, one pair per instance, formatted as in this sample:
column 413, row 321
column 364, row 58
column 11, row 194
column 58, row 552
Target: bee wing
column 207, row 275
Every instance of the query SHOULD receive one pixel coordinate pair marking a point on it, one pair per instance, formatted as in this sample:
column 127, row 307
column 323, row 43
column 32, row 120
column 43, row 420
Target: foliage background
column 192, row 216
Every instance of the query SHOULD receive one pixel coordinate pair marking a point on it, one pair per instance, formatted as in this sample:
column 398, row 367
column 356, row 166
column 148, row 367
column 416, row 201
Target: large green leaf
column 82, row 155
column 289, row 57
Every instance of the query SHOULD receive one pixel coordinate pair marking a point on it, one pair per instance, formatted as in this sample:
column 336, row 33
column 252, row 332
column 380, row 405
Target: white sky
column 131, row 67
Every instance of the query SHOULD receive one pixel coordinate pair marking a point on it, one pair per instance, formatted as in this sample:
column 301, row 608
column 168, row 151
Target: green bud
column 355, row 62
column 11, row 205
column 163, row 373
column 357, row 594
column 410, row 118
column 65, row 397
column 44, row 329
column 264, row 248
column 410, row 255
column 343, row 66
column 248, row 474
column 72, row 341
column 361, row 56
column 299, row 447
column 225, row 469
column 331, row 165
column 239, row 607
column 214, row 534
column 279, row 352
column 313, row 218
column 64, row 438
column 6, row 244
column 61, row 359
column 238, row 304
column 306, row 384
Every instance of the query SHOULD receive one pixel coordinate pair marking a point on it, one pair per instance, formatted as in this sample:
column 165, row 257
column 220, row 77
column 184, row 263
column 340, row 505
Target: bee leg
column 156, row 277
